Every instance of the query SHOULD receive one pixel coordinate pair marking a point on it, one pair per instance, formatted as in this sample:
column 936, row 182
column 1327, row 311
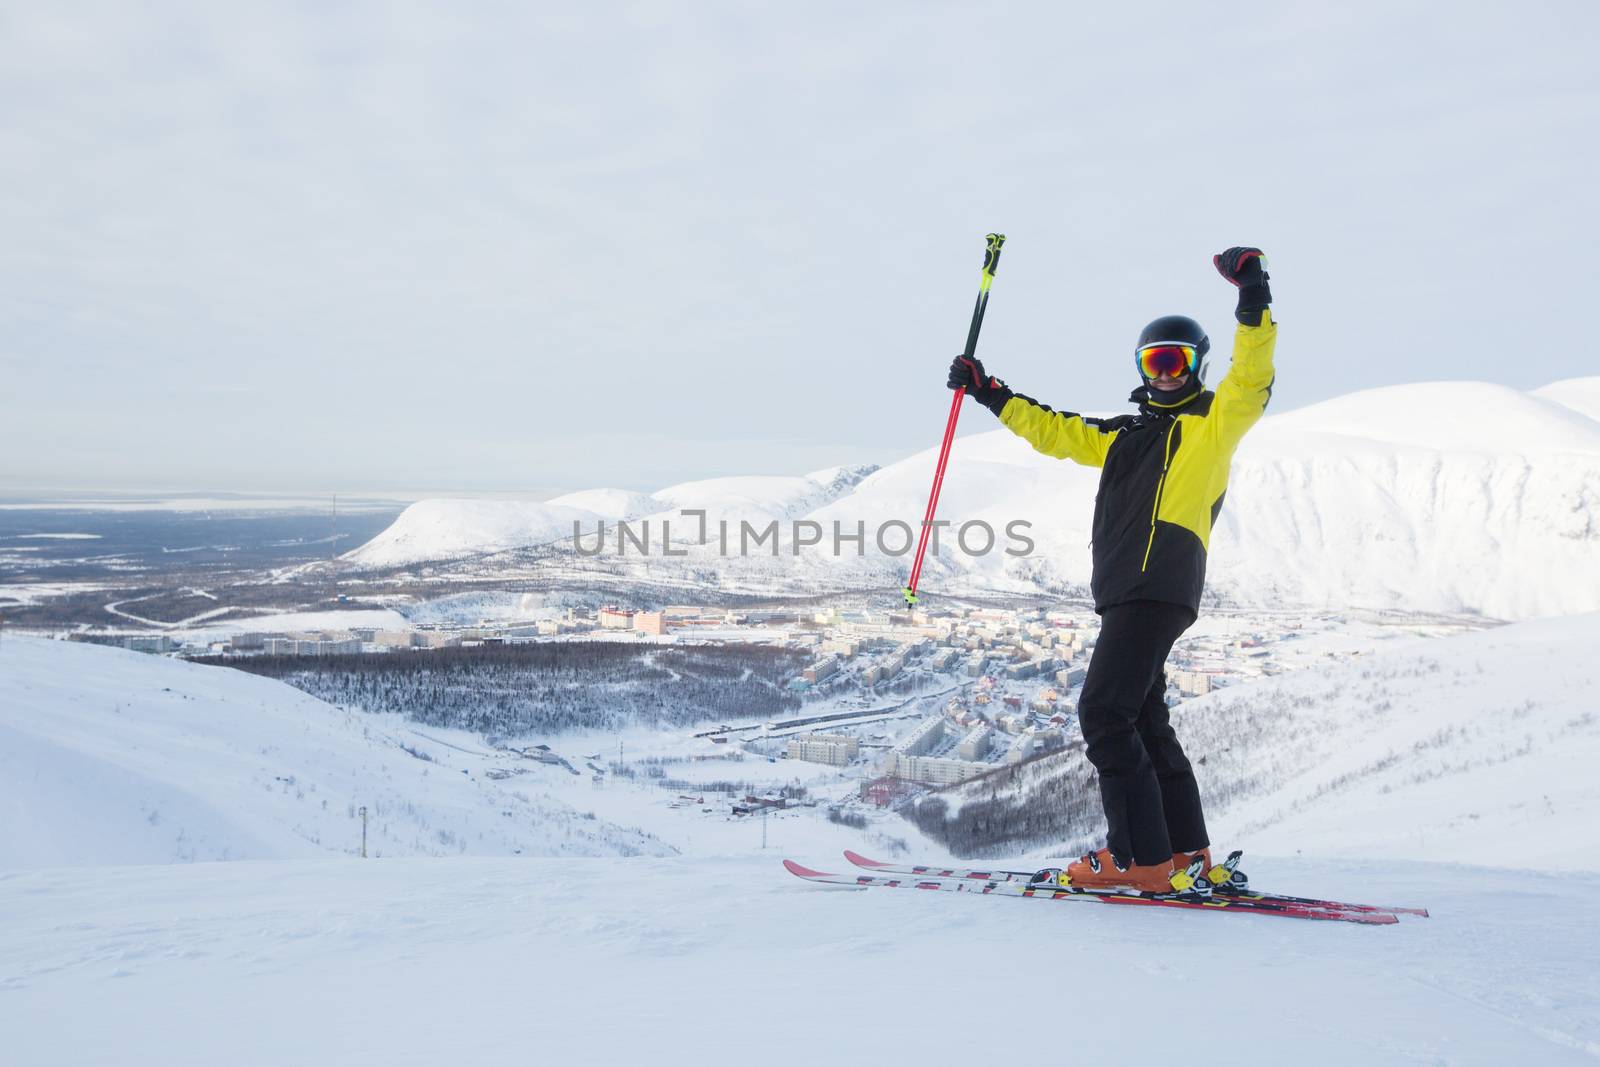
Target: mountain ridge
column 1459, row 497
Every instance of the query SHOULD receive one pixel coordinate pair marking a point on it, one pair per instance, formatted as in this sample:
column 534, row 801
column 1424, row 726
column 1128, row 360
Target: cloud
column 361, row 234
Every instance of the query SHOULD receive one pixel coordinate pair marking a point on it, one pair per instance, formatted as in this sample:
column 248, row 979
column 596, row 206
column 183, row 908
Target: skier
column 1163, row 475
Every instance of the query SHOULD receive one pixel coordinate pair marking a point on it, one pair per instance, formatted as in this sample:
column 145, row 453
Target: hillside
column 112, row 757
column 448, row 529
column 1450, row 497
column 1580, row 394
column 1452, row 774
column 1477, row 748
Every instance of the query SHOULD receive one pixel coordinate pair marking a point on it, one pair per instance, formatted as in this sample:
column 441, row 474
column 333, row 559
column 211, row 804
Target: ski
column 1313, row 902
column 928, row 871
column 1049, row 892
column 980, row 874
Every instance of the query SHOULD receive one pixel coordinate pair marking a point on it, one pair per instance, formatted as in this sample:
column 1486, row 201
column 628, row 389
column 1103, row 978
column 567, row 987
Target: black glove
column 1247, row 268
column 966, row 372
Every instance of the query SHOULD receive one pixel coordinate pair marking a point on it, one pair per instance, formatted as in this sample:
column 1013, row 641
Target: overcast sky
column 480, row 246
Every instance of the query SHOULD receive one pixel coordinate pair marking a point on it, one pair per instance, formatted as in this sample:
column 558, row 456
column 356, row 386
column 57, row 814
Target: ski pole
column 991, row 260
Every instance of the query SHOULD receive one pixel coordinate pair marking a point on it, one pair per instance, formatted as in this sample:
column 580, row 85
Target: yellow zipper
column 1166, row 461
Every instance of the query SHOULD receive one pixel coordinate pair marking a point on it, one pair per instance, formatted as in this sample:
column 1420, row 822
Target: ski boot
column 1101, row 872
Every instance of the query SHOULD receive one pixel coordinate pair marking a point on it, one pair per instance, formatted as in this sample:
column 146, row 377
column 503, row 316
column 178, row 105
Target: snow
column 298, row 622
column 610, row 504
column 113, row 757
column 113, row 952
column 716, row 961
column 1580, row 394
column 1447, row 497
column 1480, row 747
column 469, row 609
column 752, row 497
column 42, row 592
column 1443, row 417
column 448, row 529
column 60, row 536
column 756, row 499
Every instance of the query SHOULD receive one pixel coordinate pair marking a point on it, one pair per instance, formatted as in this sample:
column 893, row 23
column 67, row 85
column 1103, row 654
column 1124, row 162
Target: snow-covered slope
column 1454, row 497
column 1580, row 394
column 1475, row 748
column 611, row 504
column 1440, row 417
column 1470, row 751
column 676, row 962
column 449, row 529
column 1479, row 748
column 759, row 499
column 1449, row 497
column 109, row 756
column 1445, row 497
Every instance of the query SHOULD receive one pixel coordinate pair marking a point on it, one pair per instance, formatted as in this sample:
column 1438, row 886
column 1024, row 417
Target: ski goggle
column 1167, row 358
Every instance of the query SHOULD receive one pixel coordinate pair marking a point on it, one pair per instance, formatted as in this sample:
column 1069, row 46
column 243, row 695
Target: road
column 779, row 726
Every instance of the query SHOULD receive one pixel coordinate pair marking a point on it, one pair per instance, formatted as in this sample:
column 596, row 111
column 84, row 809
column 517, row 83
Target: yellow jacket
column 1164, row 473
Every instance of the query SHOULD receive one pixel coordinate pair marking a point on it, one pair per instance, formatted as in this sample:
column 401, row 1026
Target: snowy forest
column 550, row 687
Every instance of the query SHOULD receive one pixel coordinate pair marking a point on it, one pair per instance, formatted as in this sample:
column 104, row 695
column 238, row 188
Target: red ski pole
column 991, row 260
column 910, row 590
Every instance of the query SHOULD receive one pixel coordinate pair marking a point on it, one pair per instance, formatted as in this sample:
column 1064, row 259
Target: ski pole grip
column 991, row 256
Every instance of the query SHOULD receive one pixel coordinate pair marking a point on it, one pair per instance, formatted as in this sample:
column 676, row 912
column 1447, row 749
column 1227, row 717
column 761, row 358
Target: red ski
column 1047, row 892
column 1229, row 891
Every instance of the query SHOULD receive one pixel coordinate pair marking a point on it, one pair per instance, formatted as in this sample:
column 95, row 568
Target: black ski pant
column 1146, row 784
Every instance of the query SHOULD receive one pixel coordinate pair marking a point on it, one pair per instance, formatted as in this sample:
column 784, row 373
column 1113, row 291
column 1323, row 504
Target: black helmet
column 1177, row 330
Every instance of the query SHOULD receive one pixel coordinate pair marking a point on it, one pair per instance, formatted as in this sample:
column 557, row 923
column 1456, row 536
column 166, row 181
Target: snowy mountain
column 111, row 757
column 1580, row 394
column 432, row 530
column 1457, row 497
column 1454, row 497
column 450, row 529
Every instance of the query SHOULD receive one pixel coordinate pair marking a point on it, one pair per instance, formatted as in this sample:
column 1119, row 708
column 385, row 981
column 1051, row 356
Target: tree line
column 549, row 687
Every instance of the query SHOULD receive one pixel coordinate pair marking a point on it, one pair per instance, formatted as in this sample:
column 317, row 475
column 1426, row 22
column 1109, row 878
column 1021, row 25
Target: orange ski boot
column 1100, row 870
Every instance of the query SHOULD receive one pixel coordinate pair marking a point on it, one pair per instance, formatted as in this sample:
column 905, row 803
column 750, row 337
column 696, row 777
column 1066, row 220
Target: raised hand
column 1246, row 267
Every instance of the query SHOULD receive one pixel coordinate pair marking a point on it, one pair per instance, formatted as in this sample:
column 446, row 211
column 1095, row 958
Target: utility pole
column 763, row 826
column 363, row 831
column 333, row 552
